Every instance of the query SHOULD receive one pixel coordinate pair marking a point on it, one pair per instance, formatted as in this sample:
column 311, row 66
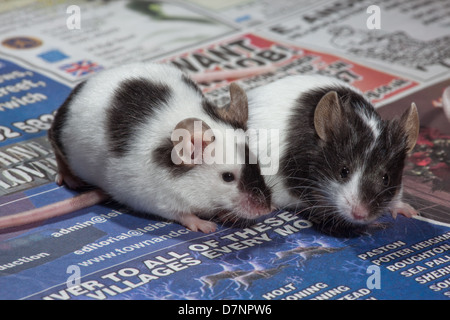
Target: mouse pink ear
column 328, row 115
column 411, row 125
column 190, row 138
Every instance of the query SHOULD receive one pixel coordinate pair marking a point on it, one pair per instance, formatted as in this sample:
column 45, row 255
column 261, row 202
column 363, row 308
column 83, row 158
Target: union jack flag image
column 81, row 68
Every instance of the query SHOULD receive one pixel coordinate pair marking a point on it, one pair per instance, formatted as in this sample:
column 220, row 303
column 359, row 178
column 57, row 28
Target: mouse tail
column 60, row 208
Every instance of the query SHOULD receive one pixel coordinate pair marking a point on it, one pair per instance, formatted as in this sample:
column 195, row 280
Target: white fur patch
column 348, row 196
column 372, row 123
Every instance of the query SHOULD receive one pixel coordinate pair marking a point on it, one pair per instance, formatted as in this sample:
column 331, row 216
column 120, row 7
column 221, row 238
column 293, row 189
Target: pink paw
column 403, row 209
column 194, row 223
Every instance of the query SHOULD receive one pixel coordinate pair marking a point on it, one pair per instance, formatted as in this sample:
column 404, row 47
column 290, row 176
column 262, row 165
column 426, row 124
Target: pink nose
column 359, row 212
column 358, row 216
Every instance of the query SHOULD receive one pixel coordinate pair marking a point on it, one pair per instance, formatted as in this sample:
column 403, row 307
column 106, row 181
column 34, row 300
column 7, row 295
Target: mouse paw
column 403, row 209
column 194, row 223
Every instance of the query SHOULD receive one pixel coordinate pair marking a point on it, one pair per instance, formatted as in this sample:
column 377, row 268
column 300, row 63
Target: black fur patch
column 162, row 155
column 54, row 133
column 134, row 102
column 253, row 182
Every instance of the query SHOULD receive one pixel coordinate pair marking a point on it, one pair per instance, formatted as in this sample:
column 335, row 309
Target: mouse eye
column 386, row 180
column 345, row 172
column 228, row 177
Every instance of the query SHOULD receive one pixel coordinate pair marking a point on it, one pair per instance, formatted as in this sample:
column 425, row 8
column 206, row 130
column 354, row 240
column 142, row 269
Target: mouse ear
column 410, row 123
column 328, row 115
column 237, row 111
column 195, row 135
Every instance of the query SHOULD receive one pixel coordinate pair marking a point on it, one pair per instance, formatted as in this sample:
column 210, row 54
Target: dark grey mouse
column 339, row 160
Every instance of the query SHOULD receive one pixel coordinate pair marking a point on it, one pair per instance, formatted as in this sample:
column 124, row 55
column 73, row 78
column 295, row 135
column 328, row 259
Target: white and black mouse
column 146, row 136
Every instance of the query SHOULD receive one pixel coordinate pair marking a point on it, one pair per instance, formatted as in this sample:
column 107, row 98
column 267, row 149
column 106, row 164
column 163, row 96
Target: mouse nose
column 359, row 212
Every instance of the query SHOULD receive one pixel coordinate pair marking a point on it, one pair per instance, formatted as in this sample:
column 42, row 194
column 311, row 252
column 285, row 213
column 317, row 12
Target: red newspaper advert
column 251, row 50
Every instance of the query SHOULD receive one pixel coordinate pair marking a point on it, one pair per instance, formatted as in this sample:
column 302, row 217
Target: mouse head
column 361, row 158
column 222, row 175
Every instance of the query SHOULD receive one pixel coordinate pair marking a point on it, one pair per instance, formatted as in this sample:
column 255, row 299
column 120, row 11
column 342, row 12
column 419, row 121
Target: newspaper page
column 409, row 38
column 104, row 36
column 109, row 252
column 248, row 13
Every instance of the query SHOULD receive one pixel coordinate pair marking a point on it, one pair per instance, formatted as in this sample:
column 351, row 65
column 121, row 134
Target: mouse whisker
column 379, row 194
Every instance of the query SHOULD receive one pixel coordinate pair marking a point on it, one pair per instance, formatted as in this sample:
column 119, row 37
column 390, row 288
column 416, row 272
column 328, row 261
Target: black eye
column 228, row 177
column 386, row 180
column 345, row 172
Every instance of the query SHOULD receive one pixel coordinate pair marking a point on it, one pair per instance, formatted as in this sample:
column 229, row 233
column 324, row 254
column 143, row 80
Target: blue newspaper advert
column 106, row 254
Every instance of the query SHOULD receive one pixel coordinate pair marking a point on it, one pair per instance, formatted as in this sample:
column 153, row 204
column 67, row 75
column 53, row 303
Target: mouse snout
column 254, row 195
column 351, row 204
column 254, row 204
column 359, row 213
